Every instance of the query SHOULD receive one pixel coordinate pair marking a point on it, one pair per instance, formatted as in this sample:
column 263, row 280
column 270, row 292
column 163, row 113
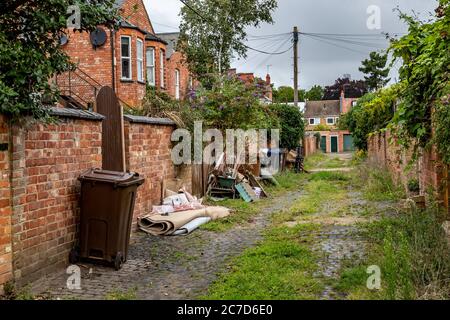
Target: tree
column 285, row 94
column 376, row 71
column 352, row 89
column 292, row 125
column 210, row 41
column 315, row 93
column 30, row 50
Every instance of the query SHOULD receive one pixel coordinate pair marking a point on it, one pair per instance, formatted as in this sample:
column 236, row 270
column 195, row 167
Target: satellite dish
column 98, row 37
column 63, row 40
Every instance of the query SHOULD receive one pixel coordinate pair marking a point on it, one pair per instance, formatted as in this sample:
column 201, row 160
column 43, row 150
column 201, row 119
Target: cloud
column 320, row 62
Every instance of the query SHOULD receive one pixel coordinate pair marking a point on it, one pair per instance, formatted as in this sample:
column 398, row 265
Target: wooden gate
column 113, row 141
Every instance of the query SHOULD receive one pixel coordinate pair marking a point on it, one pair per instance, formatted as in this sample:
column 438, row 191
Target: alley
column 323, row 207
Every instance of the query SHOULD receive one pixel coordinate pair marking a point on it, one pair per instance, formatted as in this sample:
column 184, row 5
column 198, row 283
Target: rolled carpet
column 159, row 225
column 191, row 226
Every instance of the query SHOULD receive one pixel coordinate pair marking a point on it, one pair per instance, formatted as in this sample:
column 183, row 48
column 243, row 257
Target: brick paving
column 165, row 267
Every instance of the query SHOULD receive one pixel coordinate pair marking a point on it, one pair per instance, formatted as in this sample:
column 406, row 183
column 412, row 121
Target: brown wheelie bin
column 107, row 203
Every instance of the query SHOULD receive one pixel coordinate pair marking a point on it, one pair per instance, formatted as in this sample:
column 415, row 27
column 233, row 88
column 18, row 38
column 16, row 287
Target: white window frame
column 177, row 84
column 150, row 65
column 316, row 121
column 333, row 119
column 140, row 60
column 161, row 67
column 122, row 58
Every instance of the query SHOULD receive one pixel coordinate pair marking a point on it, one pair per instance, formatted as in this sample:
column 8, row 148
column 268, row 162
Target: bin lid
column 108, row 176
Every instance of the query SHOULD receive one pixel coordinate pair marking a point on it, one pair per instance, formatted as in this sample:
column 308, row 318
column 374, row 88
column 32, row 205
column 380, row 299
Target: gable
column 134, row 11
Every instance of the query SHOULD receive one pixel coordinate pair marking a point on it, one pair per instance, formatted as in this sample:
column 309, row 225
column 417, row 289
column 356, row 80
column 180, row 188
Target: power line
column 213, row 23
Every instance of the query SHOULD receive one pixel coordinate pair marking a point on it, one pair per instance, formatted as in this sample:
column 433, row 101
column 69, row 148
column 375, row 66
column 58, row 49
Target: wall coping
column 76, row 113
column 149, row 120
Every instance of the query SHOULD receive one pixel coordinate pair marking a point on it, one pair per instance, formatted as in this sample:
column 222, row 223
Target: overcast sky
column 320, row 62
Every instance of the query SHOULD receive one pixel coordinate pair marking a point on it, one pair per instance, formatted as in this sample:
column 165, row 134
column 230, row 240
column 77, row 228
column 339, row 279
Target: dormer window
column 331, row 121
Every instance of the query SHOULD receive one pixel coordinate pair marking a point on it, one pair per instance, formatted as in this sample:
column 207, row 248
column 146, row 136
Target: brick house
column 264, row 86
column 323, row 117
column 179, row 78
column 127, row 59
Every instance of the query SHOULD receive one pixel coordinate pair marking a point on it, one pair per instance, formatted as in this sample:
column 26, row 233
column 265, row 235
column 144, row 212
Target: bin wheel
column 74, row 256
column 118, row 261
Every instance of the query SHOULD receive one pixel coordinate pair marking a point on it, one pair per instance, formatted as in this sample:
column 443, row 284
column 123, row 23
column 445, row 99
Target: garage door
column 323, row 143
column 348, row 143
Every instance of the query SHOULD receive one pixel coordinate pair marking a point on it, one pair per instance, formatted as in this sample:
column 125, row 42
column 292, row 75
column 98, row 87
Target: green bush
column 292, row 125
column 413, row 185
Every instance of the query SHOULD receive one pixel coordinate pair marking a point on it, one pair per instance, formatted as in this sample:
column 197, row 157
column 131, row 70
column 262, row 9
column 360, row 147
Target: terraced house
column 127, row 59
column 323, row 116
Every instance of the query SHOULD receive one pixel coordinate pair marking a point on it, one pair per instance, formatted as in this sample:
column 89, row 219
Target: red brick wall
column 47, row 161
column 148, row 152
column 310, row 145
column 5, row 208
column 429, row 170
column 135, row 13
column 98, row 63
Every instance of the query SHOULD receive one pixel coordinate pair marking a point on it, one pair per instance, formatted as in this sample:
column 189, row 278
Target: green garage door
column 323, row 143
column 334, row 144
column 348, row 143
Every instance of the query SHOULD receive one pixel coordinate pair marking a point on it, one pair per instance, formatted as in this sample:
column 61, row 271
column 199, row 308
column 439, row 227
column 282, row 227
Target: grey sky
column 320, row 63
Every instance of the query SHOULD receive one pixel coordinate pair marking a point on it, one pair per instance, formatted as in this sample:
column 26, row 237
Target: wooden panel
column 113, row 142
column 197, row 180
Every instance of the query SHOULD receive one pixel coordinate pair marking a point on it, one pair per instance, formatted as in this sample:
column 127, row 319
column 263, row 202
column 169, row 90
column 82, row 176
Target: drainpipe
column 113, row 69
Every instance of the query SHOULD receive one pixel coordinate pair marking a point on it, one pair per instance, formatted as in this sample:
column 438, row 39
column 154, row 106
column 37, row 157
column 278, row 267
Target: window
column 331, row 120
column 314, row 121
column 161, row 67
column 140, row 59
column 125, row 44
column 177, row 84
column 150, row 58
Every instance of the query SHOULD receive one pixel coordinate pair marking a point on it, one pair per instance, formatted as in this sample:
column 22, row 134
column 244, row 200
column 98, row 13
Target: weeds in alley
column 413, row 253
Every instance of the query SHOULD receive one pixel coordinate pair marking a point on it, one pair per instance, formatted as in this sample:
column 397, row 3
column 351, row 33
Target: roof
column 148, row 36
column 171, row 39
column 322, row 108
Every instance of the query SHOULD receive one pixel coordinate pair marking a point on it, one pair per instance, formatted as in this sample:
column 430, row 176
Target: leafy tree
column 426, row 74
column 285, row 94
column 373, row 112
column 210, row 42
column 292, row 125
column 30, row 52
column 375, row 70
column 315, row 93
column 230, row 104
column 352, row 89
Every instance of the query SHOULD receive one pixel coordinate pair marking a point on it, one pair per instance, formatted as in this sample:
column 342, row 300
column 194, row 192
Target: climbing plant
column 424, row 103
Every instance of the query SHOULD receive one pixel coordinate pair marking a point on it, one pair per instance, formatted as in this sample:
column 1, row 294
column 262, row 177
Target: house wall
column 5, row 206
column 339, row 133
column 135, row 13
column 176, row 62
column 323, row 122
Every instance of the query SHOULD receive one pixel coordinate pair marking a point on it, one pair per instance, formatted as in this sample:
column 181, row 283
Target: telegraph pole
column 296, row 66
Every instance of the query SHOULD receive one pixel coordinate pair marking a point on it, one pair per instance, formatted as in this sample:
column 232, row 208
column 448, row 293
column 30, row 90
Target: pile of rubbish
column 225, row 181
column 180, row 214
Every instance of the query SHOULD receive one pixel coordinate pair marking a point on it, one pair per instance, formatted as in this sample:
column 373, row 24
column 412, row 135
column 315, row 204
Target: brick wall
column 383, row 150
column 309, row 145
column 5, row 208
column 47, row 161
column 148, row 152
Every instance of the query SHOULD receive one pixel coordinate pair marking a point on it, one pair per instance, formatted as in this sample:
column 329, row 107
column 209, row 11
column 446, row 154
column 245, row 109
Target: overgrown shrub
column 413, row 185
column 291, row 123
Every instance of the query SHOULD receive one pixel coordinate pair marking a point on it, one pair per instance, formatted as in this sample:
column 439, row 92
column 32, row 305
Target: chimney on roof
column 268, row 80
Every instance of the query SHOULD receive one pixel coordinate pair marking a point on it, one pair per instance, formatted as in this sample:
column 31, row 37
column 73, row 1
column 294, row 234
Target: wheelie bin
column 107, row 204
